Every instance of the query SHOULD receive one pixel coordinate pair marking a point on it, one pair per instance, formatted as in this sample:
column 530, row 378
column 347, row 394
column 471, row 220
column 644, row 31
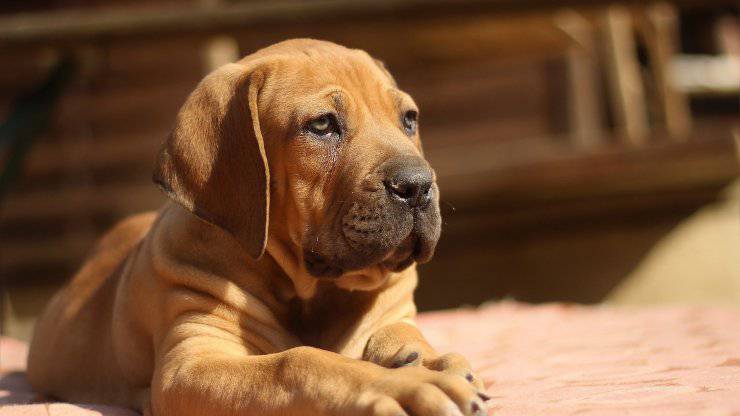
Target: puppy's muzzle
column 394, row 223
column 409, row 184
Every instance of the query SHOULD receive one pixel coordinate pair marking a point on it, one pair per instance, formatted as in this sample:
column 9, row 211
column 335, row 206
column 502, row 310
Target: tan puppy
column 279, row 280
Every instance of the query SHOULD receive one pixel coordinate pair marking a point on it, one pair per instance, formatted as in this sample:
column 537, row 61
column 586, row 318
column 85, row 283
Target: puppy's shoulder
column 127, row 233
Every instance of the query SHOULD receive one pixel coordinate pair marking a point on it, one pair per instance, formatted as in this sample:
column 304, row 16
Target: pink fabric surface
column 544, row 360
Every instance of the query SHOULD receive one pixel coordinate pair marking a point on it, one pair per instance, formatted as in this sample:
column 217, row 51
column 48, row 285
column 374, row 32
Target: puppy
column 279, row 279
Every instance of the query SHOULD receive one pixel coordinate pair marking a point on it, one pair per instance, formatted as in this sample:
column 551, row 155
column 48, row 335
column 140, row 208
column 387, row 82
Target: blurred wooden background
column 563, row 148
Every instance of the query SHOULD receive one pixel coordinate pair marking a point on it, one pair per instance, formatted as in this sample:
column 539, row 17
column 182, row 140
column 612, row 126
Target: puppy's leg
column 208, row 375
column 398, row 345
column 402, row 344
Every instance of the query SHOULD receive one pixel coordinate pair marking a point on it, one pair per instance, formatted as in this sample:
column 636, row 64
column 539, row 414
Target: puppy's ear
column 214, row 163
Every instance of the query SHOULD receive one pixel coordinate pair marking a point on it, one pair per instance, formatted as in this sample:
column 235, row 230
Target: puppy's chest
column 328, row 319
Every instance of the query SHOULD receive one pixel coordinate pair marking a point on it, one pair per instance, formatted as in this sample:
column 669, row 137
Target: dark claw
column 475, row 408
column 406, row 361
column 484, row 396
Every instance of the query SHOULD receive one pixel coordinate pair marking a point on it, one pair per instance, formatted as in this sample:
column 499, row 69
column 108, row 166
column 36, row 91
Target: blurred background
column 586, row 150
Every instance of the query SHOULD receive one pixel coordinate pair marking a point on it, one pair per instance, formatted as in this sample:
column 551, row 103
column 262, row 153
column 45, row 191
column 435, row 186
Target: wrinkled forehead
column 323, row 59
column 343, row 74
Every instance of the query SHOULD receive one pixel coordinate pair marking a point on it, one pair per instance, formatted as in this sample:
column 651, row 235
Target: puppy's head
column 316, row 141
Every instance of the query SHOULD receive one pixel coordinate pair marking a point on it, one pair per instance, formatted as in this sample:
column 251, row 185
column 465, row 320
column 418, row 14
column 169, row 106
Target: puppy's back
column 74, row 332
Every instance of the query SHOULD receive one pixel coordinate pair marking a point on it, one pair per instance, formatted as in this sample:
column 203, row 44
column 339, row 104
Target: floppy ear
column 214, row 163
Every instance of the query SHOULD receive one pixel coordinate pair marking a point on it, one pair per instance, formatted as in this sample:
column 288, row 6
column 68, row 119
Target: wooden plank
column 98, row 153
column 56, row 250
column 79, row 200
column 546, row 169
column 585, row 106
column 159, row 102
column 82, row 26
column 626, row 89
column 219, row 51
column 660, row 29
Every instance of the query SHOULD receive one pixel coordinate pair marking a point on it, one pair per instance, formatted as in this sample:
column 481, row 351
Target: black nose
column 410, row 183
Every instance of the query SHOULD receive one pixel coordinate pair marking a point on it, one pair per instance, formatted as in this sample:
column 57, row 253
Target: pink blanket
column 549, row 360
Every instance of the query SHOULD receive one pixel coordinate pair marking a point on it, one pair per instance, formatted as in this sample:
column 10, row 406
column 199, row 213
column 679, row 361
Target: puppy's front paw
column 454, row 363
column 418, row 391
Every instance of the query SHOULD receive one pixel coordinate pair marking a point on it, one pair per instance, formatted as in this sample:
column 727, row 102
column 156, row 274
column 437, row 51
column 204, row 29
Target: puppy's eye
column 324, row 126
column 409, row 122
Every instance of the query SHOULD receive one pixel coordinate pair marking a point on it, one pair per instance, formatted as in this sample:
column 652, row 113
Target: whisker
column 452, row 207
